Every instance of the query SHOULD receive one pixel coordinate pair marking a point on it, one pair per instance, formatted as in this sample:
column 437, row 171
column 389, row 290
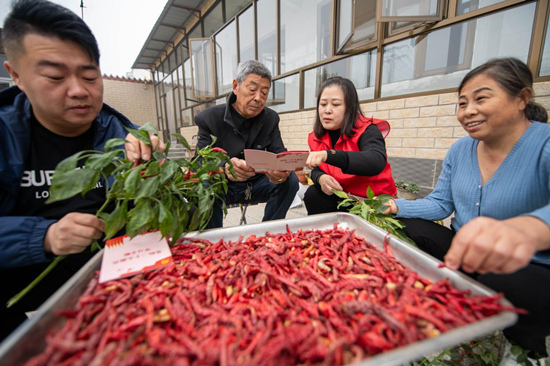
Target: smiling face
column 251, row 95
column 487, row 112
column 332, row 108
column 63, row 84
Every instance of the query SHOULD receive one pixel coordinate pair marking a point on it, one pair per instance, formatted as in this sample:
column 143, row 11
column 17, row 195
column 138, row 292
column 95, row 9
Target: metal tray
column 29, row 339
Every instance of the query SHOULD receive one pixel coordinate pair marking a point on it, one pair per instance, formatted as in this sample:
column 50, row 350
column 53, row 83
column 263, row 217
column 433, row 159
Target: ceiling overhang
column 169, row 28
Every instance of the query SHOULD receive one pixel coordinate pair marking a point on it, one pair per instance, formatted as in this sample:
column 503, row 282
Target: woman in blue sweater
column 497, row 182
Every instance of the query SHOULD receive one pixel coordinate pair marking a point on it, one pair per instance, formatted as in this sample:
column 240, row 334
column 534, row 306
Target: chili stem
column 14, row 300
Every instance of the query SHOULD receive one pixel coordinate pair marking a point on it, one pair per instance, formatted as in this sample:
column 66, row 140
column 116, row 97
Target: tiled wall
column 134, row 99
column 422, row 130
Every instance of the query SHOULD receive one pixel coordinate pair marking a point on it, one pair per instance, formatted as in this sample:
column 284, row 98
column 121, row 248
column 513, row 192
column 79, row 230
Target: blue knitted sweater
column 520, row 186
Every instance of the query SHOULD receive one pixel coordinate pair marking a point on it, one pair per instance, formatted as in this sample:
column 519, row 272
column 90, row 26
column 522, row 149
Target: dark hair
column 351, row 102
column 46, row 19
column 512, row 75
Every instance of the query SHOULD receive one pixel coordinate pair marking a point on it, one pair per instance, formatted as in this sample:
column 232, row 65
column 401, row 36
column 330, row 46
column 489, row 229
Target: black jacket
column 218, row 121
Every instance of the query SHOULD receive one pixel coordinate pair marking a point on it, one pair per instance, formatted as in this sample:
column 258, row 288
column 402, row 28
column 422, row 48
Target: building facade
column 406, row 62
column 135, row 98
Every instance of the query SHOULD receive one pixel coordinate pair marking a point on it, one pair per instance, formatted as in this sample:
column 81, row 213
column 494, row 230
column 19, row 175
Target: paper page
column 262, row 160
column 291, row 160
column 124, row 257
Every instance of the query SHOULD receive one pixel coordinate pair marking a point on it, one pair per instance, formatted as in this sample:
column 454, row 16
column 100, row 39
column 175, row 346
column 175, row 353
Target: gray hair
column 252, row 67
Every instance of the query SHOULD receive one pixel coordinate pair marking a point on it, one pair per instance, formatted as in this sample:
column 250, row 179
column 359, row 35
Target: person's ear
column 14, row 74
column 525, row 96
column 235, row 85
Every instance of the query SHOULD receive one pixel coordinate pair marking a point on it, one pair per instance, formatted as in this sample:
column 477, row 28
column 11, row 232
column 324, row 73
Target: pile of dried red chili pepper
column 306, row 297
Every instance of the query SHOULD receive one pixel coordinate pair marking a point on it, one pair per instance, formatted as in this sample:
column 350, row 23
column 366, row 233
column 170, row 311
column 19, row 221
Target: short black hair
column 351, row 102
column 47, row 19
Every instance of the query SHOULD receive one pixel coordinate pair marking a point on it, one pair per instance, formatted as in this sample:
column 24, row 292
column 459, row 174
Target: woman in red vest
column 348, row 151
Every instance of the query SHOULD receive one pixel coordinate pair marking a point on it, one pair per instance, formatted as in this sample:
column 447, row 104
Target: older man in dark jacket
column 245, row 123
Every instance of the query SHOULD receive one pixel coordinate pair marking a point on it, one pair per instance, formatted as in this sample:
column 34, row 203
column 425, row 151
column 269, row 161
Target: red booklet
column 262, row 160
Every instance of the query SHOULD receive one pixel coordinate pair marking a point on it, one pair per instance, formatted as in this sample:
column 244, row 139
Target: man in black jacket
column 245, row 123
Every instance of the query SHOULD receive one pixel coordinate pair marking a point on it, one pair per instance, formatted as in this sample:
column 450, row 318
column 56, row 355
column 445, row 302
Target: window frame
column 421, row 53
column 212, row 69
column 409, row 18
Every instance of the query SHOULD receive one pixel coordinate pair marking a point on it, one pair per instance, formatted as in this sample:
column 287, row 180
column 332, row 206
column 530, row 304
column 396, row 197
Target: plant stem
column 31, row 285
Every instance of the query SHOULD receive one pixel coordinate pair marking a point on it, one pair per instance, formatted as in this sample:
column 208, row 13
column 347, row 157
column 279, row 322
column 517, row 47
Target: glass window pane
column 163, row 66
column 365, row 21
column 172, row 62
column 267, row 37
column 360, row 69
column 170, row 112
column 305, row 32
column 246, row 35
column 226, row 57
column 345, row 21
column 545, row 63
column 162, row 118
column 401, row 8
column 442, row 58
column 157, row 99
column 196, row 32
column 187, row 118
column 285, row 94
column 181, row 87
column 213, row 20
column 188, row 83
column 3, row 72
column 233, row 7
column 202, row 68
column 466, row 6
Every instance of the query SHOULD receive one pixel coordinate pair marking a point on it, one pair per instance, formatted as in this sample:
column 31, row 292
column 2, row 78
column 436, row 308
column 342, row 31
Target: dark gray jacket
column 218, row 121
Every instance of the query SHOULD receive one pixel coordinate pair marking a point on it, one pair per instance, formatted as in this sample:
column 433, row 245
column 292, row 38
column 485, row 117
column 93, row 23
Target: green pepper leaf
column 141, row 135
column 69, row 164
column 168, row 169
column 182, row 140
column 148, row 187
column 340, row 194
column 116, row 220
column 370, row 193
column 131, row 182
column 100, row 161
column 141, row 215
column 115, row 144
column 68, row 184
column 149, row 127
column 165, row 219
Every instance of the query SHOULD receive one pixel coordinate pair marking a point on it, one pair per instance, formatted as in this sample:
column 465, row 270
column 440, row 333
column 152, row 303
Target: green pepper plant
column 158, row 194
column 373, row 208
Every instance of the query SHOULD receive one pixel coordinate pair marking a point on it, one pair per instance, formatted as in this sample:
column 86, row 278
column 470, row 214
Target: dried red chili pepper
column 304, row 297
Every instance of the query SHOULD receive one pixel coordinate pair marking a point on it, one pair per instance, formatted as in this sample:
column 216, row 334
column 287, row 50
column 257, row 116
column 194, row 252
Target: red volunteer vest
column 356, row 184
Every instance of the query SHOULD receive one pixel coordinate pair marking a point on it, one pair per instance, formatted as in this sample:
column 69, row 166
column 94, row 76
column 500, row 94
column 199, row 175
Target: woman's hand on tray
column 498, row 246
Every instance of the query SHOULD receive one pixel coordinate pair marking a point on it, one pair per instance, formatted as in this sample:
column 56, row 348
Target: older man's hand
column 277, row 176
column 242, row 171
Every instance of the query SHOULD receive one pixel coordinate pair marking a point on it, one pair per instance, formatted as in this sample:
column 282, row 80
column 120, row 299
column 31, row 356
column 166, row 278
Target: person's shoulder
column 212, row 110
column 211, row 114
column 541, row 127
column 14, row 105
column 8, row 96
column 463, row 144
column 108, row 113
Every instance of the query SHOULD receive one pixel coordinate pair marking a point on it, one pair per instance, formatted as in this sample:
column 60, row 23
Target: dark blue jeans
column 279, row 197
